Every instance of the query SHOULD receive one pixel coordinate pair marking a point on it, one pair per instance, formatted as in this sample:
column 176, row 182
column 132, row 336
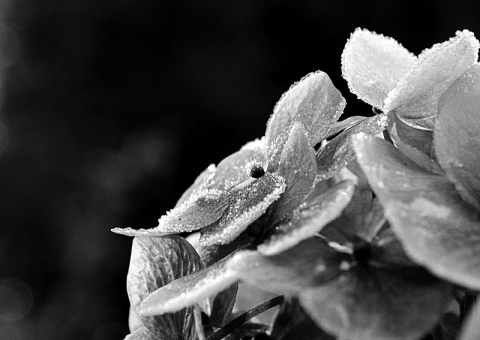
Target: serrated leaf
column 141, row 334
column 200, row 210
column 190, row 289
column 308, row 264
column 415, row 98
column 338, row 152
column 471, row 330
column 457, row 144
column 313, row 101
column 309, row 219
column 436, row 227
column 156, row 261
column 299, row 167
column 373, row 64
column 223, row 305
column 246, row 204
column 377, row 304
column 235, row 168
column 468, row 84
column 199, row 185
column 419, row 139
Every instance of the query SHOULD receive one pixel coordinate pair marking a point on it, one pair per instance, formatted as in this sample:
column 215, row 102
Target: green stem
column 240, row 320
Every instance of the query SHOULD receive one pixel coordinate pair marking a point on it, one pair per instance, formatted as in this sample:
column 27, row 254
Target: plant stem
column 240, row 320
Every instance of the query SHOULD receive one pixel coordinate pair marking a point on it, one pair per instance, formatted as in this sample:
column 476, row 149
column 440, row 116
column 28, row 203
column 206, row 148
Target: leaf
column 338, row 152
column 457, row 144
column 156, row 261
column 223, row 305
column 299, row 168
column 309, row 219
column 245, row 205
column 467, row 84
column 141, row 334
column 377, row 304
column 199, row 185
column 200, row 210
column 435, row 227
column 373, row 65
column 471, row 330
column 190, row 289
column 308, row 264
column 416, row 96
column 421, row 140
column 313, row 101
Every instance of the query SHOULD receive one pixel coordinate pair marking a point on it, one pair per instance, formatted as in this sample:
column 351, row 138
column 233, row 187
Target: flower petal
column 308, row 264
column 309, row 219
column 222, row 306
column 415, row 99
column 315, row 102
column 471, row 329
column 373, row 64
column 154, row 263
column 299, row 167
column 436, row 228
column 338, row 152
column 377, row 304
column 246, row 204
column 141, row 334
column 199, row 185
column 199, row 210
column 188, row 290
column 457, row 144
column 465, row 85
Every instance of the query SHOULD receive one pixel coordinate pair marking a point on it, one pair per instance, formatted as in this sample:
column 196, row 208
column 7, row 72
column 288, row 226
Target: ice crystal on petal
column 199, row 185
column 466, row 85
column 373, row 64
column 245, row 206
column 415, row 99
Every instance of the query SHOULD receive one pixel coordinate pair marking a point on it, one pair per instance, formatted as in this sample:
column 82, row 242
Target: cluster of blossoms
column 366, row 226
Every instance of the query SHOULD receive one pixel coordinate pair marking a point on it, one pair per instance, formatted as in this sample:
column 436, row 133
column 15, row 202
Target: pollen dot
column 257, row 171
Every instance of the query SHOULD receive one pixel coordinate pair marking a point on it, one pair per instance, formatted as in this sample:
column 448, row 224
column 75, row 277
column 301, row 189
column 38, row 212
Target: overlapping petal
column 436, row 227
column 373, row 64
column 415, row 98
column 467, row 84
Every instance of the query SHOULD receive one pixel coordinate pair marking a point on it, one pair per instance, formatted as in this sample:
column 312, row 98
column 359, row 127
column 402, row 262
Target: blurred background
column 110, row 109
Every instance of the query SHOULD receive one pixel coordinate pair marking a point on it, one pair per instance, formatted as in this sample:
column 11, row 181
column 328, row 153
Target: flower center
column 362, row 252
column 257, row 171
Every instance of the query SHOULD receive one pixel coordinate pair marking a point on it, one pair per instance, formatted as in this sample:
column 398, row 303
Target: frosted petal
column 373, row 64
column 338, row 152
column 189, row 289
column 436, row 228
column 315, row 102
column 308, row 264
column 200, row 210
column 309, row 219
column 466, row 85
column 199, row 185
column 457, row 144
column 415, row 99
column 299, row 167
column 344, row 125
column 154, row 263
column 245, row 205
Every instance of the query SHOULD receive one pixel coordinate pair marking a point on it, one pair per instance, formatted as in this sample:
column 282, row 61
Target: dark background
column 110, row 109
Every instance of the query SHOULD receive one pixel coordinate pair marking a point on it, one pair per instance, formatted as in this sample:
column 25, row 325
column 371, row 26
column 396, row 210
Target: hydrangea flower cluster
column 369, row 227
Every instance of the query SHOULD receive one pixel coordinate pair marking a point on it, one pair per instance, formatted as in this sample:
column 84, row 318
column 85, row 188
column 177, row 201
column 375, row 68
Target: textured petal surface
column 189, row 289
column 471, row 330
column 309, row 219
column 247, row 203
column 415, row 99
column 338, row 152
column 467, row 84
column 457, row 143
column 377, row 305
column 436, row 227
column 199, row 185
column 315, row 102
column 155, row 262
column 309, row 264
column 373, row 65
column 141, row 334
column 299, row 168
